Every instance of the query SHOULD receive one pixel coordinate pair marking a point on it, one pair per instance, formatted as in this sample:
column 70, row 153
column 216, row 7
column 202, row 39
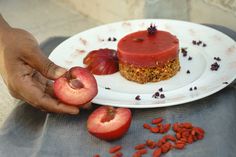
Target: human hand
column 26, row 71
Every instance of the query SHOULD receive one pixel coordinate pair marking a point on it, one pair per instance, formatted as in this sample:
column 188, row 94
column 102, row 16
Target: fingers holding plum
column 39, row 97
column 35, row 89
column 24, row 69
column 49, row 104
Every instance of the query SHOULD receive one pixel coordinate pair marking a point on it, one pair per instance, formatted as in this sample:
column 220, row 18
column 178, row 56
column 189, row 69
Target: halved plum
column 109, row 123
column 77, row 87
column 102, row 61
column 103, row 66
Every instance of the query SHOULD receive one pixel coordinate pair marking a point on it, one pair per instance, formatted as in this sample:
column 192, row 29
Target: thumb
column 41, row 63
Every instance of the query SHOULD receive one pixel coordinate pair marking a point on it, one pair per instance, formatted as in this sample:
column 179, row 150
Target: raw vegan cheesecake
column 148, row 56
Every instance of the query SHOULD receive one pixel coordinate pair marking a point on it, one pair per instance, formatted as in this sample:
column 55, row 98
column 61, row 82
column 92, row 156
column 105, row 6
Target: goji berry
column 190, row 139
column 198, row 130
column 179, row 146
column 96, row 155
column 167, row 127
column 170, row 137
column 183, row 130
column 151, row 144
column 168, row 144
column 175, row 127
column 162, row 141
column 115, row 149
column 200, row 136
column 184, row 140
column 154, row 129
column 142, row 151
column 146, row 126
column 140, row 146
column 161, row 129
column 136, row 154
column 193, row 132
column 179, row 142
column 165, row 147
column 157, row 120
column 118, row 154
column 185, row 134
column 157, row 152
column 178, row 135
column 159, row 143
column 195, row 138
column 187, row 125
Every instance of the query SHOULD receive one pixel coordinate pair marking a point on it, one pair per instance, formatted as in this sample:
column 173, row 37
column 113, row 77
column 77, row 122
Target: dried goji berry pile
column 184, row 133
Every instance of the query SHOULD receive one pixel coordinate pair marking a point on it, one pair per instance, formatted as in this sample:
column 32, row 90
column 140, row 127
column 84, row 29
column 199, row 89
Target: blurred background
column 47, row 18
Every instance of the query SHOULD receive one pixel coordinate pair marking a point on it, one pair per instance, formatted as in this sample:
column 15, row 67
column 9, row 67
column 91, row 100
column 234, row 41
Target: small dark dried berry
column 156, row 95
column 199, row 42
column 162, row 96
column 108, row 88
column 217, row 58
column 137, row 97
column 194, row 42
column 190, row 88
column 114, row 39
column 190, row 58
column 195, row 88
column 109, row 39
column 188, row 72
column 152, row 30
column 204, row 45
column 184, row 50
column 160, row 90
column 215, row 66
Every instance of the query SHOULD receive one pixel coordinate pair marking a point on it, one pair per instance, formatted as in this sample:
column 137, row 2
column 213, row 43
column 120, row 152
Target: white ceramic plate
column 122, row 92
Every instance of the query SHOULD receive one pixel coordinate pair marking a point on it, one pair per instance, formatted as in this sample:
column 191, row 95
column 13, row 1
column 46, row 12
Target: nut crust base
column 149, row 74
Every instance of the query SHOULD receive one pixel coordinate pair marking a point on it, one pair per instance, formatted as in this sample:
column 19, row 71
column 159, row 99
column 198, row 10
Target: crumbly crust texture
column 149, row 74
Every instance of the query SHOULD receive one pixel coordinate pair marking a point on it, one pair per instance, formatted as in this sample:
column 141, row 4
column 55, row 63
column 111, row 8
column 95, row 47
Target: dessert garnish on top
column 152, row 30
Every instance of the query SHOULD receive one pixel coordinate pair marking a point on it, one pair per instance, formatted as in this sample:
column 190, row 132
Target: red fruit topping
column 102, row 61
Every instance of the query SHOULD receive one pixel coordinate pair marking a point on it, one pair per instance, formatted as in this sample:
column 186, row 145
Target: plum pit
column 76, row 84
column 110, row 115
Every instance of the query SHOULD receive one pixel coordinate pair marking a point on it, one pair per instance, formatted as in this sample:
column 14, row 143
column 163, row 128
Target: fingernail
column 59, row 72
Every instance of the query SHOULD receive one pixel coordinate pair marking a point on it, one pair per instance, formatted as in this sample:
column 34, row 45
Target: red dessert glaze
column 144, row 50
